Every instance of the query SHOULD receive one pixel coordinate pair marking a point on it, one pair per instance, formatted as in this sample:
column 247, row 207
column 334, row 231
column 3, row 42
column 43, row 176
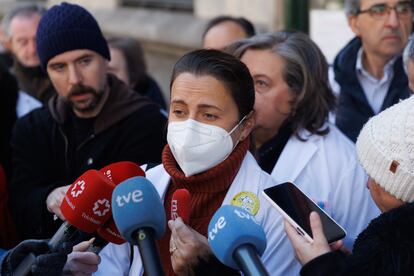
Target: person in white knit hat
column 385, row 149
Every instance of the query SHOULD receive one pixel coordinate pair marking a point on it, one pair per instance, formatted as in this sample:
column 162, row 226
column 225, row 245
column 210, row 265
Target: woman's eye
column 177, row 112
column 210, row 116
column 261, row 83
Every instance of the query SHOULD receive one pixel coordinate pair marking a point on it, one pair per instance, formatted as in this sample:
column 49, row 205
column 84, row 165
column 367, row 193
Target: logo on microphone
column 101, row 207
column 78, row 188
column 108, row 174
column 174, row 209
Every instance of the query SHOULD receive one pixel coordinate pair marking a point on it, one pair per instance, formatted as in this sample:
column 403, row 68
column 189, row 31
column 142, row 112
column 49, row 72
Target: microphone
column 120, row 171
column 86, row 206
column 116, row 172
column 181, row 205
column 140, row 217
column 237, row 240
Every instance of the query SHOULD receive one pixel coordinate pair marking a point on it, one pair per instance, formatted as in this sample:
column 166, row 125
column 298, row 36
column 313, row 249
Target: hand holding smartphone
column 296, row 207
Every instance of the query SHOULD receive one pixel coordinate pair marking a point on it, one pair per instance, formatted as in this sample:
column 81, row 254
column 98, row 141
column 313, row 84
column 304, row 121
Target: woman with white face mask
column 210, row 121
column 294, row 140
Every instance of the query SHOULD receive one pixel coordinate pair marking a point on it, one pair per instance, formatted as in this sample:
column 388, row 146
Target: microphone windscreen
column 181, row 205
column 231, row 227
column 136, row 205
column 120, row 171
column 110, row 233
column 87, row 203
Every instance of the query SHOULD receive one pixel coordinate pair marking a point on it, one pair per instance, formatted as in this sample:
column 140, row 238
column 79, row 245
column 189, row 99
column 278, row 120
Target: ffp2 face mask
column 198, row 147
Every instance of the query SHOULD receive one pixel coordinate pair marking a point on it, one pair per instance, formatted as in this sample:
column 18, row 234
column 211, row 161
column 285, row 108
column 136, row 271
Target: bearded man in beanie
column 94, row 120
column 385, row 149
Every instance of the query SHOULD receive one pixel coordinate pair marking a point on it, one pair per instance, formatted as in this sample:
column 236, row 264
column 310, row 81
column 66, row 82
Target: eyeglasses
column 380, row 11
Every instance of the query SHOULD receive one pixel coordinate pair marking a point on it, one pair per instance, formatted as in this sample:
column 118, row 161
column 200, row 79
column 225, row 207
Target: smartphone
column 296, row 207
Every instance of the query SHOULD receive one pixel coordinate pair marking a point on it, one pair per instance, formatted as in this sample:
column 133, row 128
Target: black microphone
column 140, row 217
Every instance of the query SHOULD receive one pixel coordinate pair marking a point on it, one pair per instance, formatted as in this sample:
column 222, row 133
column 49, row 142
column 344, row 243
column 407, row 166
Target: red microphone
column 87, row 203
column 116, row 172
column 110, row 233
column 120, row 171
column 181, row 205
column 86, row 206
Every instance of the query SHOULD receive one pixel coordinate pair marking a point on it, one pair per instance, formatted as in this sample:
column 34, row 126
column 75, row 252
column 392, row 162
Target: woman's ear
column 248, row 125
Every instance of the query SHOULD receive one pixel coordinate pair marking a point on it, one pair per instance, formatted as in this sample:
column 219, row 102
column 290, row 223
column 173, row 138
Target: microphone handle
column 149, row 252
column 25, row 266
column 248, row 261
column 63, row 234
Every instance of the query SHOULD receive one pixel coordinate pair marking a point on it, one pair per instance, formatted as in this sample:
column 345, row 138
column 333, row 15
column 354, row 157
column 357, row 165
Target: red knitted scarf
column 207, row 190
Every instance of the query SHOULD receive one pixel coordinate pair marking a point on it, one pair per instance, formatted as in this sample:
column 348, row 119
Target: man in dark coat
column 20, row 26
column 369, row 70
column 94, row 120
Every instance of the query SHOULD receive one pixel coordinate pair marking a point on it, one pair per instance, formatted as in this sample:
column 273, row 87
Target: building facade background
column 169, row 28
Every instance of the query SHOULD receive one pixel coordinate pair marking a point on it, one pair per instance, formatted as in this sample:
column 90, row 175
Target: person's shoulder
column 334, row 146
column 253, row 171
column 37, row 117
column 349, row 51
column 336, row 141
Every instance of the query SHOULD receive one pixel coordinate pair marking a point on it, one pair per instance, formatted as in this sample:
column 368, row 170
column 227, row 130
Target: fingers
column 187, row 246
column 88, row 258
column 180, row 232
column 83, row 246
column 336, row 245
column 317, row 228
column 82, row 263
column 54, row 200
column 293, row 235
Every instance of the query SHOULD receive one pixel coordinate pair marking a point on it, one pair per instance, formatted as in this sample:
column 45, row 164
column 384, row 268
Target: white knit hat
column 385, row 149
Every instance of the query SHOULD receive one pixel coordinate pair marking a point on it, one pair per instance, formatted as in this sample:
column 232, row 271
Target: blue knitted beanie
column 68, row 27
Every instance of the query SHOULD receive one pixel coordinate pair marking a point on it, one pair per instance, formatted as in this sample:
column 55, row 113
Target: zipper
column 86, row 141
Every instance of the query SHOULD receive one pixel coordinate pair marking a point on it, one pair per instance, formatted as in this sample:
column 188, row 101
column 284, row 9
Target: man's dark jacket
column 129, row 127
column 353, row 108
column 384, row 248
column 34, row 81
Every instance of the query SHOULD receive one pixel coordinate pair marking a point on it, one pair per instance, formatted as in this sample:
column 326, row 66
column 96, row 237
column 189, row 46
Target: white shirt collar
column 388, row 68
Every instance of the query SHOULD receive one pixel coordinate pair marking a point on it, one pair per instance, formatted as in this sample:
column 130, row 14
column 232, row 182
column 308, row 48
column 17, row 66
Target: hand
column 187, row 246
column 304, row 250
column 54, row 200
column 339, row 245
column 80, row 262
column 45, row 263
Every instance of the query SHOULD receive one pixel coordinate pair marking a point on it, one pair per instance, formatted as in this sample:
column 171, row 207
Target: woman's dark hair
column 134, row 56
column 245, row 24
column 224, row 67
column 305, row 72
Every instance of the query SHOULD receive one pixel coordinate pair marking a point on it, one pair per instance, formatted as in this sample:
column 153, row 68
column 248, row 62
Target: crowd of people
column 247, row 112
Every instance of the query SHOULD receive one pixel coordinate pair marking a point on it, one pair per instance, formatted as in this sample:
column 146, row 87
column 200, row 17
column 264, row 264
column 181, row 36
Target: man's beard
column 88, row 104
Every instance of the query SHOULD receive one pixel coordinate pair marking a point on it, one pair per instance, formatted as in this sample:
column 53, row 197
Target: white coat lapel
column 294, row 158
column 160, row 179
